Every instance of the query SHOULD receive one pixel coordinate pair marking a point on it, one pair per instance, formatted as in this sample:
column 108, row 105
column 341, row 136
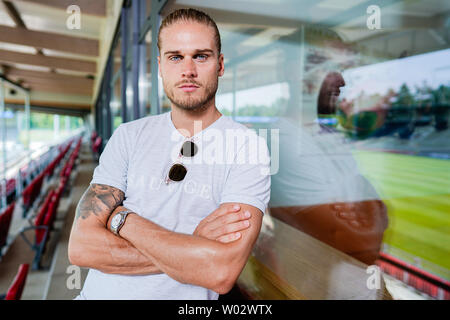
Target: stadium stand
column 44, row 220
column 415, row 277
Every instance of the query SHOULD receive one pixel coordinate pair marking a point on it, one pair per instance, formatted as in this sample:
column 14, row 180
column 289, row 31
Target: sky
column 433, row 67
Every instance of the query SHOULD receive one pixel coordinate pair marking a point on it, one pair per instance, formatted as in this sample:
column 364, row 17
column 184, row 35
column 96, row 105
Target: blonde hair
column 190, row 15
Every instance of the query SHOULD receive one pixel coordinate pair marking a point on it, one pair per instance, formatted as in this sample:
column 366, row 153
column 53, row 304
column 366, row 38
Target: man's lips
column 188, row 87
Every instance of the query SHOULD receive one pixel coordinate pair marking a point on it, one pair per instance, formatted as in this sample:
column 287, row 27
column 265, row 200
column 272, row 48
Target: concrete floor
column 50, row 282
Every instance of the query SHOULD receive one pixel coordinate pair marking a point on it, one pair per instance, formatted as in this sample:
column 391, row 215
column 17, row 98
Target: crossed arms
column 213, row 257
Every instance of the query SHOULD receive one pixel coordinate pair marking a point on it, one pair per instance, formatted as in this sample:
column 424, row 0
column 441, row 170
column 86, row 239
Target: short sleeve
column 113, row 163
column 248, row 179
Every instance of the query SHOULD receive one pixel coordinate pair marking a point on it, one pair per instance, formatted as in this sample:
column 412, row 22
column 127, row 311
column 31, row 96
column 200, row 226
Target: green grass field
column 417, row 193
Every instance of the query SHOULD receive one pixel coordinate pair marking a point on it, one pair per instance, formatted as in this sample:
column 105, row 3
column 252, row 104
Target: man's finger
column 227, row 219
column 231, row 228
column 229, row 237
column 222, row 211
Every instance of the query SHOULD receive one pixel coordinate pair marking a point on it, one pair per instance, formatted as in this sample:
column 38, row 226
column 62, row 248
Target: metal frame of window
column 134, row 58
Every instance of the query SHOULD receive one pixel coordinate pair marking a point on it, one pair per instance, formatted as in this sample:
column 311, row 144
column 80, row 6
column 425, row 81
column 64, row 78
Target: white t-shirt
column 136, row 160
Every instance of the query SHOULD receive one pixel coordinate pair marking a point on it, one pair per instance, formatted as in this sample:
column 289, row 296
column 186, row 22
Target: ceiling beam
column 61, row 87
column 11, row 10
column 92, row 7
column 85, row 89
column 49, row 76
column 51, row 107
column 13, row 14
column 45, row 61
column 48, row 40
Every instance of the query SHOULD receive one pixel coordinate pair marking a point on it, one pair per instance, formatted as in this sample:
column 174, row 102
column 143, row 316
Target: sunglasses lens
column 177, row 172
column 189, row 149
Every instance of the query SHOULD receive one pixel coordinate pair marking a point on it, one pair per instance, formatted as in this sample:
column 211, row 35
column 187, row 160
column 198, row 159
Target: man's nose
column 189, row 69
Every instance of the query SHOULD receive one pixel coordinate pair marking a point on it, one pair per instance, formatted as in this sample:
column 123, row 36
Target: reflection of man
column 329, row 93
column 319, row 189
column 163, row 242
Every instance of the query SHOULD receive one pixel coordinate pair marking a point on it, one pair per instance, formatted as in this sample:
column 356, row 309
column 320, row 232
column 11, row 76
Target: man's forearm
column 185, row 258
column 108, row 253
column 92, row 245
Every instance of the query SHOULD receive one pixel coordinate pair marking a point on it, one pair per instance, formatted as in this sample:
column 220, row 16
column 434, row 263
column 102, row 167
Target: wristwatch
column 118, row 221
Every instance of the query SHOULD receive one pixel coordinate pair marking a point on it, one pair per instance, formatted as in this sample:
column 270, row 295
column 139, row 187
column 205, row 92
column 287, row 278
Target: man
column 157, row 221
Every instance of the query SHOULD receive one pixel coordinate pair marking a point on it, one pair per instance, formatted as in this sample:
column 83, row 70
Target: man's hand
column 224, row 224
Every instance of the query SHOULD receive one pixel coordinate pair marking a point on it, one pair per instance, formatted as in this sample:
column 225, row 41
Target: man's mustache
column 187, row 82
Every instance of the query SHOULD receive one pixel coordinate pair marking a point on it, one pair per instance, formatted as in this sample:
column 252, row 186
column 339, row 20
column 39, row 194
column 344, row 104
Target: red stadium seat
column 18, row 284
column 40, row 218
column 43, row 224
column 96, row 145
column 31, row 192
column 5, row 222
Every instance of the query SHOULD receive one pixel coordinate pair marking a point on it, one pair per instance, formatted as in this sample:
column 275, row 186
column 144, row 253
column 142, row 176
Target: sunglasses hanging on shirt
column 178, row 171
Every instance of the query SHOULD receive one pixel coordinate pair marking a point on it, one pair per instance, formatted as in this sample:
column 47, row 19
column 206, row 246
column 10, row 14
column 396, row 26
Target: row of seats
column 30, row 171
column 32, row 191
column 44, row 220
column 10, row 190
column 44, row 223
column 96, row 143
column 419, row 279
column 29, row 194
column 65, row 172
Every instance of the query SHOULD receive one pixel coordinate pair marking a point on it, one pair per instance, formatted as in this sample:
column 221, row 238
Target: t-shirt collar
column 172, row 126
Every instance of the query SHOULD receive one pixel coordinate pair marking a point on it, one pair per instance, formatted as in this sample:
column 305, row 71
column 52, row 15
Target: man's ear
column 221, row 68
column 159, row 66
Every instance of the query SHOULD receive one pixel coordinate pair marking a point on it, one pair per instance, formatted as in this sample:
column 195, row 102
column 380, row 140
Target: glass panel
column 129, row 94
column 117, row 53
column 116, row 103
column 146, row 85
column 357, row 113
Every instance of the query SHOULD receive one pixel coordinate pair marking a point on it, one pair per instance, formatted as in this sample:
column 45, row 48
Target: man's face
column 329, row 93
column 189, row 64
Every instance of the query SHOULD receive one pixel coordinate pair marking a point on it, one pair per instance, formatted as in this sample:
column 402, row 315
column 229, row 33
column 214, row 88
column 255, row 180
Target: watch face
column 116, row 221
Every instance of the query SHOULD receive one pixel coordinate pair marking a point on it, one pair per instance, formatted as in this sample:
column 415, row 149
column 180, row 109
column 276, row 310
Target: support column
column 123, row 67
column 4, row 152
column 136, row 7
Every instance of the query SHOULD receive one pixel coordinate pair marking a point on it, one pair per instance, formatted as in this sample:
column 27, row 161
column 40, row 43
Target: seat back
column 32, row 191
column 52, row 210
column 97, row 144
column 26, row 194
column 16, row 288
column 5, row 222
column 40, row 218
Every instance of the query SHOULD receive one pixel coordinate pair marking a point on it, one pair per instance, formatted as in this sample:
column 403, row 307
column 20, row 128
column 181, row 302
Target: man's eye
column 174, row 58
column 202, row 57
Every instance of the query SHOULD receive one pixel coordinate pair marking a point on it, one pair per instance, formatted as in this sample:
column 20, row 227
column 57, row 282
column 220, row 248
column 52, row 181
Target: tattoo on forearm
column 97, row 199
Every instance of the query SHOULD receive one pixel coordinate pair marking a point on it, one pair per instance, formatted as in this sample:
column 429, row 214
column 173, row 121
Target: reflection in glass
column 363, row 128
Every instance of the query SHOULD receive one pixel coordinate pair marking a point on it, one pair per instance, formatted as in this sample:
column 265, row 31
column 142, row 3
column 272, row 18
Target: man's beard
column 190, row 103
